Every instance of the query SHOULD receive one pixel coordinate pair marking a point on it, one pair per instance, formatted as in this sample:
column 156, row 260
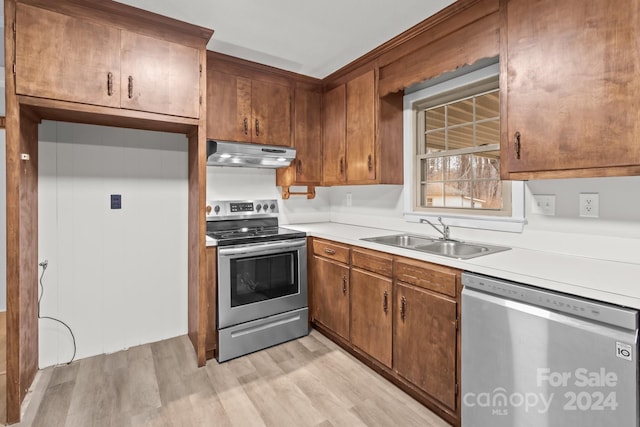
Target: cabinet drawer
column 428, row 276
column 331, row 250
column 374, row 261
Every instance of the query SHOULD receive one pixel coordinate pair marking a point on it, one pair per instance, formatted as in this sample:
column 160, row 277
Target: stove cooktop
column 238, row 222
column 227, row 238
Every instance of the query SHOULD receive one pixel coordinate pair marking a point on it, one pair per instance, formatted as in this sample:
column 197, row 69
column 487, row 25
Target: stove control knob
column 216, row 209
column 273, row 206
column 258, row 207
column 208, row 209
column 265, row 207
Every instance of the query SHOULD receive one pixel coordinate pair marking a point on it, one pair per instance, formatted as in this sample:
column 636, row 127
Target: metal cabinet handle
column 329, row 251
column 130, row 87
column 403, row 308
column 341, row 166
column 299, row 167
column 385, row 302
column 344, row 285
column 369, row 163
column 110, row 83
column 245, row 126
column 516, row 144
column 257, row 127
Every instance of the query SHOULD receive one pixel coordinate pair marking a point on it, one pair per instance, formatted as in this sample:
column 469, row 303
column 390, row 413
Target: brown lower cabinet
column 371, row 304
column 398, row 315
column 330, row 289
column 425, row 341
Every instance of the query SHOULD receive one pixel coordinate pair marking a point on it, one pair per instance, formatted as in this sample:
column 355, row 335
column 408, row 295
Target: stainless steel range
column 262, row 277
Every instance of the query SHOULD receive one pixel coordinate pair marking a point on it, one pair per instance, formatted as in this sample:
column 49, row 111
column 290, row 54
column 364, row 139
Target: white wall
column 614, row 235
column 239, row 183
column 117, row 277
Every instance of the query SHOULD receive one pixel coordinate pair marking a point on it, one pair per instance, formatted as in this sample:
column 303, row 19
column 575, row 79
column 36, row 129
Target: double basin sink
column 448, row 248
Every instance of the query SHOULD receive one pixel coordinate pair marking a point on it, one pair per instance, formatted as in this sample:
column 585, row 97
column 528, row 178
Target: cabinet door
column 572, row 84
column 66, row 58
column 331, row 295
column 334, row 137
column 371, row 314
column 308, row 139
column 425, row 341
column 159, row 76
column 271, row 107
column 228, row 107
column 361, row 135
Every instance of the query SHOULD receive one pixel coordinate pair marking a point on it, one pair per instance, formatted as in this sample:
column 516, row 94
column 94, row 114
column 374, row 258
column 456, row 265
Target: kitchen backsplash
column 614, row 235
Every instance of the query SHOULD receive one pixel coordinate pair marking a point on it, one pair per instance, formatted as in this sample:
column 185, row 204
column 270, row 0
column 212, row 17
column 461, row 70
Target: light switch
column 116, row 201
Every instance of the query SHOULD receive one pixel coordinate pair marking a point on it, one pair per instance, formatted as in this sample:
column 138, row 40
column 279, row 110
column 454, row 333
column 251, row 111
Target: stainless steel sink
column 448, row 248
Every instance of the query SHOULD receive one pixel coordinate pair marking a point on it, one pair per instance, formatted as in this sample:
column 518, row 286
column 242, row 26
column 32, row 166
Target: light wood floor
column 307, row 382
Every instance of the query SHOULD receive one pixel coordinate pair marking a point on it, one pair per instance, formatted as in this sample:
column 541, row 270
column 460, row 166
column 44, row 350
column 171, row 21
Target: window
column 458, row 152
column 452, row 152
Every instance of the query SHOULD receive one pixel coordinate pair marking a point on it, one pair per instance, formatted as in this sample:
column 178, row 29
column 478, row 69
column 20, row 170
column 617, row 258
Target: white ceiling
column 314, row 38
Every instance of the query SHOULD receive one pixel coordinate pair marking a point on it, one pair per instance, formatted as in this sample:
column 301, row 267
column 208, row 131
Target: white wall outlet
column 589, row 205
column 544, row 204
column 349, row 199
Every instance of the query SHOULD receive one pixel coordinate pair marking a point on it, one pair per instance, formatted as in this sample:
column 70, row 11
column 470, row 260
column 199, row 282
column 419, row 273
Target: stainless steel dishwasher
column 531, row 357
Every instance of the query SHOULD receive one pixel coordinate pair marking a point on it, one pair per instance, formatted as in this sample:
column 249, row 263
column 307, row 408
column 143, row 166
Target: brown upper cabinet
column 570, row 84
column 359, row 130
column 159, row 76
column 245, row 105
column 306, row 169
column 82, row 61
column 349, row 132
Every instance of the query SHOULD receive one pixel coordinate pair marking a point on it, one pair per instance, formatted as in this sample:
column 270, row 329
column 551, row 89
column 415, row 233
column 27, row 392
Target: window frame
column 414, row 99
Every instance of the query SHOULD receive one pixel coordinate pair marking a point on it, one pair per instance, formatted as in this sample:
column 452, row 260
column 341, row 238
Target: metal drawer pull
column 257, row 127
column 516, row 144
column 341, row 166
column 329, row 251
column 344, row 285
column 403, row 308
column 109, row 83
column 245, row 124
column 369, row 163
column 385, row 303
column 130, row 87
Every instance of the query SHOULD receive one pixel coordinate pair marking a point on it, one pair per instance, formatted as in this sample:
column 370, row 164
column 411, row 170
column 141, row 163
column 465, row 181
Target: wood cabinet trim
column 403, row 39
column 52, row 109
column 254, row 70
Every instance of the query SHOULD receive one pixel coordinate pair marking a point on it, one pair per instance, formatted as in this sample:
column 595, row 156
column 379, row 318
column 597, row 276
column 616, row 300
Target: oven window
column 261, row 278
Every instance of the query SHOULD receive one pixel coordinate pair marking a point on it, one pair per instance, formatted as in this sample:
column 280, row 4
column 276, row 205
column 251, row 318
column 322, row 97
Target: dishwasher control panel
column 563, row 303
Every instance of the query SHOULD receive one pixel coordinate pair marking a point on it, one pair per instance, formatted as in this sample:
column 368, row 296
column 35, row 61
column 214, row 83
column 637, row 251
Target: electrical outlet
column 589, row 205
column 349, row 199
column 544, row 204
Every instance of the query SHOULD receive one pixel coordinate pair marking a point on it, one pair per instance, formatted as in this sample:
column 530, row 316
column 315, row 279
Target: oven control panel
column 243, row 208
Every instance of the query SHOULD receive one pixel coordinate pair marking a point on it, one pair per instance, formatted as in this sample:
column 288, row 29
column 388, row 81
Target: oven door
column 259, row 280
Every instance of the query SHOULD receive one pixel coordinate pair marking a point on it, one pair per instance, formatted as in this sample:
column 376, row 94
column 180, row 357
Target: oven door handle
column 258, row 248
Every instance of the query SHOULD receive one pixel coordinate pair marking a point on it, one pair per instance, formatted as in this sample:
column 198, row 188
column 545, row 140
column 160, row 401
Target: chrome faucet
column 445, row 228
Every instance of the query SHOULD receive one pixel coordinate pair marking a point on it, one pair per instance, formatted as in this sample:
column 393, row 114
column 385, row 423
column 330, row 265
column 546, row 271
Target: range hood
column 226, row 153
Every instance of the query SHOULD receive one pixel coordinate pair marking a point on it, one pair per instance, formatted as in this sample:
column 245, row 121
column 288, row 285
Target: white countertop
column 614, row 282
